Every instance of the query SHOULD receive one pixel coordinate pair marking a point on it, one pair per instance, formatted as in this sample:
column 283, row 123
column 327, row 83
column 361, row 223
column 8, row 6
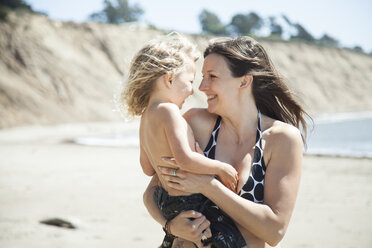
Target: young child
column 160, row 79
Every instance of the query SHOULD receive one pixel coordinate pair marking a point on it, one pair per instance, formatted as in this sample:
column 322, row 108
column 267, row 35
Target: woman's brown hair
column 245, row 55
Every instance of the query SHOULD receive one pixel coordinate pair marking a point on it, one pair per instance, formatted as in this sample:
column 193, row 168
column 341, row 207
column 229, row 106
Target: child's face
column 182, row 83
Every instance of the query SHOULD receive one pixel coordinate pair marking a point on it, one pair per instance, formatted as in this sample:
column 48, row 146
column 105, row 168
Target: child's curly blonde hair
column 165, row 54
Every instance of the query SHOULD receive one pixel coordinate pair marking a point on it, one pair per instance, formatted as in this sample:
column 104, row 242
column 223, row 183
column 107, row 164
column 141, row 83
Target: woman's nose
column 203, row 85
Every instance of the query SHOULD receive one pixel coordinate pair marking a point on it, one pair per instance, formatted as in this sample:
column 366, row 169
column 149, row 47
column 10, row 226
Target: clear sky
column 348, row 21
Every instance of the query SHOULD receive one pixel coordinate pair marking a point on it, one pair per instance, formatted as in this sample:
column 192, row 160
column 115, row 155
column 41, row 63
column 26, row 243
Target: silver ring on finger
column 174, row 173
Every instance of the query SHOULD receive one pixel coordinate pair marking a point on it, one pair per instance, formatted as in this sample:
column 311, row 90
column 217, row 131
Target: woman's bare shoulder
column 280, row 136
column 201, row 123
column 279, row 131
column 198, row 117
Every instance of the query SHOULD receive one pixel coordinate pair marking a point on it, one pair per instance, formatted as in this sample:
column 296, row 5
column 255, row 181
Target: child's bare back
column 154, row 141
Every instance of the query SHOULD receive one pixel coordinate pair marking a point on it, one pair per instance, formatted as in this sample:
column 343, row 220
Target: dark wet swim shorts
column 225, row 234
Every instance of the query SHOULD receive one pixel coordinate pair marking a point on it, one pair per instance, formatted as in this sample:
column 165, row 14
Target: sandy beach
column 99, row 189
column 54, row 72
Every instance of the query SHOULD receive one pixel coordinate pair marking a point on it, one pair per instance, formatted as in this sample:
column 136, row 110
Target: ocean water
column 346, row 135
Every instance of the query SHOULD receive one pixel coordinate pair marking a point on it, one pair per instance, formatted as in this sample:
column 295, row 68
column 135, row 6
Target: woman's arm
column 267, row 221
column 188, row 225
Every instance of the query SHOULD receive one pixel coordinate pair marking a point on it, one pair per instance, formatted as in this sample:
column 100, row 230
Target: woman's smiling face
column 218, row 83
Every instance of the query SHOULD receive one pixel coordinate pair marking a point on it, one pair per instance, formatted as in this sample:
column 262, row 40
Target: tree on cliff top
column 118, row 11
column 245, row 24
column 7, row 5
column 211, row 24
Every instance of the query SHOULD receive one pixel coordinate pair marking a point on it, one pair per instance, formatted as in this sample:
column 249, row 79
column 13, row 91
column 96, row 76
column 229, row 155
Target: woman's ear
column 167, row 79
column 246, row 81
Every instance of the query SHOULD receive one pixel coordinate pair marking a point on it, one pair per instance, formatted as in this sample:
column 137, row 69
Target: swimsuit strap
column 258, row 154
column 218, row 124
column 253, row 189
column 259, row 120
column 210, row 149
column 259, row 132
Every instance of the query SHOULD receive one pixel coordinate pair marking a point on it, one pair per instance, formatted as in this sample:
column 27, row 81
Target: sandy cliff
column 54, row 72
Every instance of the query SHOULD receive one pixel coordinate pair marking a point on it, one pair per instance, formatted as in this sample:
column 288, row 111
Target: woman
column 254, row 122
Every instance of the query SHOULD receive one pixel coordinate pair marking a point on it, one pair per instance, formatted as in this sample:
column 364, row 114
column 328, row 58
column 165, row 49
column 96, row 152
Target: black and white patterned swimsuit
column 253, row 189
column 225, row 233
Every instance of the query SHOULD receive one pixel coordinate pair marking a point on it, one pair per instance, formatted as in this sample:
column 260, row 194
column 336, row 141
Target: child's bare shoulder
column 167, row 107
column 164, row 112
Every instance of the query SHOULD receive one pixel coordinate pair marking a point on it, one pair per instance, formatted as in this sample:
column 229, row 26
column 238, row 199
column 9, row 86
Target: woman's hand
column 229, row 176
column 183, row 180
column 190, row 225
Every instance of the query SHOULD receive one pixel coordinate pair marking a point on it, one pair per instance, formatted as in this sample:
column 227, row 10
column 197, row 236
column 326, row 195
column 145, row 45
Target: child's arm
column 145, row 163
column 174, row 126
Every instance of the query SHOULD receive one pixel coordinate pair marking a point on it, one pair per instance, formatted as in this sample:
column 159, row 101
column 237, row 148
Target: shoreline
column 336, row 156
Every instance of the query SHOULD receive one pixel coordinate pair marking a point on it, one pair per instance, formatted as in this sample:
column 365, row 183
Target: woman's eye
column 212, row 76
